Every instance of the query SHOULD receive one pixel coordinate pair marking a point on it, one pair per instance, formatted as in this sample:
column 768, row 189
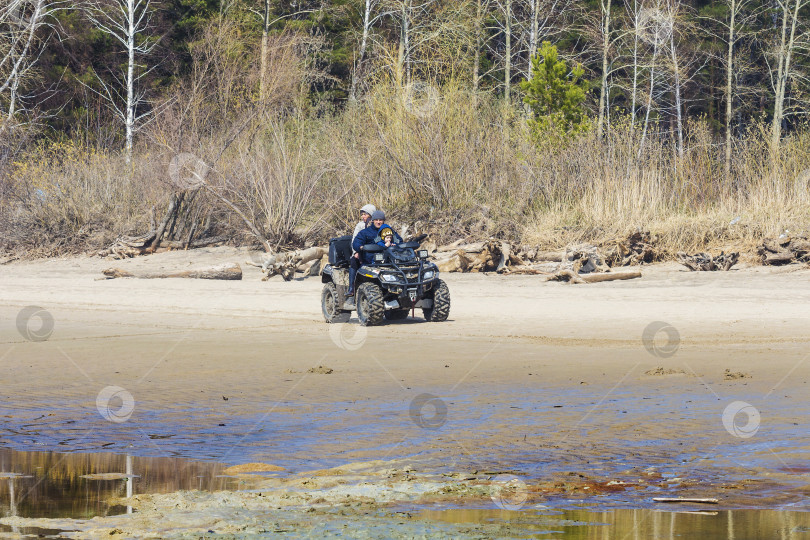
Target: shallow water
column 532, row 432
column 663, row 439
column 634, row 524
column 54, row 485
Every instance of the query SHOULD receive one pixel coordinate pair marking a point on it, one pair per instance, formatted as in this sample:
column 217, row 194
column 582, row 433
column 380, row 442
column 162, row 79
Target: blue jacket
column 366, row 236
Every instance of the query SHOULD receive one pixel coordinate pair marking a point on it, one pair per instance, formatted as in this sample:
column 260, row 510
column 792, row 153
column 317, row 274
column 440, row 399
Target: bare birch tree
column 482, row 8
column 22, row 43
column 418, row 27
column 672, row 15
column 789, row 12
column 128, row 22
column 544, row 21
column 370, row 18
column 740, row 14
column 634, row 10
column 505, row 21
column 652, row 28
column 264, row 50
column 605, row 6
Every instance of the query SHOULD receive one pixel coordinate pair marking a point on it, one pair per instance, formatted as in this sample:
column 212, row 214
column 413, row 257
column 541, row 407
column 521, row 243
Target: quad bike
column 400, row 279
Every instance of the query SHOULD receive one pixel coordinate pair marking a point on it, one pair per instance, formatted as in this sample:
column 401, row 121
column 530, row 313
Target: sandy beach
column 679, row 384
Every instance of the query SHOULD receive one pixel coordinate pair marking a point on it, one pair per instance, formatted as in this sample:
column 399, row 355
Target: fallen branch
column 572, row 277
column 230, row 271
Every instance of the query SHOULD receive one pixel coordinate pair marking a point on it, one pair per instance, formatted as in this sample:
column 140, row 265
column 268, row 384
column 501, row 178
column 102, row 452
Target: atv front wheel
column 441, row 304
column 370, row 306
column 330, row 305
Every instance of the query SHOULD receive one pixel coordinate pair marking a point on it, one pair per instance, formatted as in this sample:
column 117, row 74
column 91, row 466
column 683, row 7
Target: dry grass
column 456, row 162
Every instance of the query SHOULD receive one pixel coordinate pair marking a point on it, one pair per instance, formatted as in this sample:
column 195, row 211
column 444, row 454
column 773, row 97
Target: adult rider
column 369, row 235
column 354, row 262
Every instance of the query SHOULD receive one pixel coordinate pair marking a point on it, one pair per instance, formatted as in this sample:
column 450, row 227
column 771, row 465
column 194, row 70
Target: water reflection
column 634, row 524
column 55, row 485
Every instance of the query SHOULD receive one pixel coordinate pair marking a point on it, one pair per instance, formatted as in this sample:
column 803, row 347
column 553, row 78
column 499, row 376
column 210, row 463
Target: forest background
column 269, row 123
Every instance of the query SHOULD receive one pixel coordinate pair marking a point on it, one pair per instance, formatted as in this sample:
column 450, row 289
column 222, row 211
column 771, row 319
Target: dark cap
column 378, row 214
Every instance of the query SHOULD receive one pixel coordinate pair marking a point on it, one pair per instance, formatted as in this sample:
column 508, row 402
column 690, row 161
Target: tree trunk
column 130, row 120
column 507, row 77
column 401, row 51
column 406, row 33
column 12, row 99
column 729, row 89
column 785, row 51
column 479, row 8
column 533, row 33
column 634, row 90
column 649, row 98
column 600, row 124
column 263, row 65
column 677, row 92
column 362, row 54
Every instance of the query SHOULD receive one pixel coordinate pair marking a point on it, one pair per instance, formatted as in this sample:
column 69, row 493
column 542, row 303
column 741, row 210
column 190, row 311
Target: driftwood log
column 571, row 277
column 703, row 262
column 230, row 271
column 307, row 261
column 784, row 250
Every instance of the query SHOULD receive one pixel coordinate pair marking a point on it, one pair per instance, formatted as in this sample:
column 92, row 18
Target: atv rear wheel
column 441, row 304
column 330, row 305
column 370, row 306
column 397, row 314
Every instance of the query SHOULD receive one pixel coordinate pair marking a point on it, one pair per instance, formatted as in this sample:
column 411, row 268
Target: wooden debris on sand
column 229, row 271
column 703, row 262
column 636, row 249
column 582, row 263
column 486, row 256
column 306, row 261
column 572, row 277
column 184, row 226
column 784, row 250
column 126, row 247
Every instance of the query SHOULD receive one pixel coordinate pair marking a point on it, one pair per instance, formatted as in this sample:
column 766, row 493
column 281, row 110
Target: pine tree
column 555, row 94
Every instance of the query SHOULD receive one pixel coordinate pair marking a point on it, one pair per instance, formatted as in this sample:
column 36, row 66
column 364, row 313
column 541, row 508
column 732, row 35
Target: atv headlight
column 428, row 275
column 390, row 278
column 423, row 254
column 379, row 257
